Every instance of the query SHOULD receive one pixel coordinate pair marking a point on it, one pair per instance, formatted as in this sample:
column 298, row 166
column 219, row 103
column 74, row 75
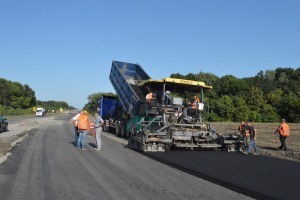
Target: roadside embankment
column 15, row 134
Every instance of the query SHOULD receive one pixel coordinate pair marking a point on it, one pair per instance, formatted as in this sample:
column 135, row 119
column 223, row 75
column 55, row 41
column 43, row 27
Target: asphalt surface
column 257, row 176
column 45, row 165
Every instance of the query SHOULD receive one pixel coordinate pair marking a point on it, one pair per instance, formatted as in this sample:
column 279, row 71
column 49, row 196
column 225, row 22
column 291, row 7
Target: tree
column 241, row 110
column 270, row 75
column 229, row 85
column 275, row 97
column 290, row 106
column 207, row 78
column 4, row 92
column 268, row 113
column 255, row 98
column 30, row 94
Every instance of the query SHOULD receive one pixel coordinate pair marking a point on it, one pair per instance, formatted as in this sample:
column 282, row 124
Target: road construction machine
column 166, row 121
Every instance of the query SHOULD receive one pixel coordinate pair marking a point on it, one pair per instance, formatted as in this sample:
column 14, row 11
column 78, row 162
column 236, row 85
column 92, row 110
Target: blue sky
column 63, row 49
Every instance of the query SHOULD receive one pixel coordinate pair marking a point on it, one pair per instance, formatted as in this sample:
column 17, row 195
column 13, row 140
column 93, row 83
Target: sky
column 63, row 49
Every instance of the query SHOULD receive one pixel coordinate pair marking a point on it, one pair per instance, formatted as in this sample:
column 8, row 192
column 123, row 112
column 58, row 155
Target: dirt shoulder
column 6, row 143
column 15, row 134
column 267, row 141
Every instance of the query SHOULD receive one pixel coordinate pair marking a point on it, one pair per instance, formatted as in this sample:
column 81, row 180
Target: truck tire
column 123, row 130
column 127, row 135
column 105, row 128
column 118, row 130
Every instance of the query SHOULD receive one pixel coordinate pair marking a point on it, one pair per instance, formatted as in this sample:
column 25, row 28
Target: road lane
column 257, row 176
column 47, row 166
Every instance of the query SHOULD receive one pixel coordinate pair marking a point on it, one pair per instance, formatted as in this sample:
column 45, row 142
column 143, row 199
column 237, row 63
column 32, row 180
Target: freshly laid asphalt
column 260, row 177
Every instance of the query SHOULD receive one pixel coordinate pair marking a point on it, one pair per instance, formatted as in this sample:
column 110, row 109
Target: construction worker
column 149, row 97
column 252, row 132
column 284, row 132
column 74, row 121
column 242, row 129
column 193, row 104
column 151, row 104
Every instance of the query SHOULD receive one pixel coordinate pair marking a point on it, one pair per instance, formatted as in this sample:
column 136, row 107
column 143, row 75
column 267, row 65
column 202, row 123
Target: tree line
column 18, row 99
column 266, row 97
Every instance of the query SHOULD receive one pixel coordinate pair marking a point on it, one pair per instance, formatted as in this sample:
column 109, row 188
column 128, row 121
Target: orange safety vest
column 194, row 104
column 284, row 130
column 241, row 127
column 83, row 122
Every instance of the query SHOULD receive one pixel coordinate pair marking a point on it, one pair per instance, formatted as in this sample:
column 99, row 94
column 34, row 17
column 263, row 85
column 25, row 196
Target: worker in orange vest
column 284, row 132
column 193, row 105
column 242, row 129
column 195, row 102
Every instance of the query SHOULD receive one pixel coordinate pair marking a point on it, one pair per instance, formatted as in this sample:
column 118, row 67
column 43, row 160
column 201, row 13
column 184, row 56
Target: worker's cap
column 283, row 120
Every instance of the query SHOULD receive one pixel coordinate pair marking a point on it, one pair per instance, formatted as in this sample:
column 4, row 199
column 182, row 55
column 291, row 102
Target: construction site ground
column 267, row 141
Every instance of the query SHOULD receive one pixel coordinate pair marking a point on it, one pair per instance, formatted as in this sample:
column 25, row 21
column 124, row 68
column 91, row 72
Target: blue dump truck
column 111, row 111
column 108, row 111
column 162, row 123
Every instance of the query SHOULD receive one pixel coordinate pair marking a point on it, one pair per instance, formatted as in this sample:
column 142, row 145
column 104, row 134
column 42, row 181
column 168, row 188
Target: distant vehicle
column 40, row 112
column 3, row 124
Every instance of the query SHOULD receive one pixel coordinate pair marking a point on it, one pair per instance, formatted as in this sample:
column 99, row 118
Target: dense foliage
column 267, row 97
column 18, row 99
column 53, row 105
column 16, row 95
column 93, row 101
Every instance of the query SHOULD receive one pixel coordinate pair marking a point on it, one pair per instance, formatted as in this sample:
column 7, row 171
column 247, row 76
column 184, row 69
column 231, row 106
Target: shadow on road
column 92, row 145
column 269, row 148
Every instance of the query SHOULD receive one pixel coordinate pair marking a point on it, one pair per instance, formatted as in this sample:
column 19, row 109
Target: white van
column 40, row 112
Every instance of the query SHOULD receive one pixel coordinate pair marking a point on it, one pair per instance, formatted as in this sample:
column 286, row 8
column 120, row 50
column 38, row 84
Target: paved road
column 47, row 166
column 257, row 176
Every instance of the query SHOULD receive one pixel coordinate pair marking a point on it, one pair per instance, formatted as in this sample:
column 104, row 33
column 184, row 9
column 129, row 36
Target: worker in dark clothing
column 284, row 132
column 252, row 132
column 193, row 105
column 243, row 132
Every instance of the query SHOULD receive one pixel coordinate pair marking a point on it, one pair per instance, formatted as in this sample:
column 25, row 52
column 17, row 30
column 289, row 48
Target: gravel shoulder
column 15, row 134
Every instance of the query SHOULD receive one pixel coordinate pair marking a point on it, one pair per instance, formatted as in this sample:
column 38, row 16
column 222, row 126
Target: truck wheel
column 118, row 130
column 105, row 128
column 127, row 134
column 122, row 131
